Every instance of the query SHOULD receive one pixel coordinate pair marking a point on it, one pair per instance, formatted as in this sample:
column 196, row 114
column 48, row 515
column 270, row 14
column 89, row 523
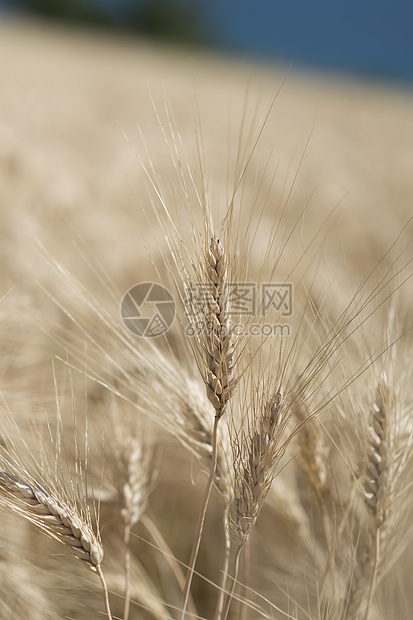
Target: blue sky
column 373, row 38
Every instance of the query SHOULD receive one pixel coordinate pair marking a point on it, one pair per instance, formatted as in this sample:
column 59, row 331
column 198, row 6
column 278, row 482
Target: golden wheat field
column 255, row 459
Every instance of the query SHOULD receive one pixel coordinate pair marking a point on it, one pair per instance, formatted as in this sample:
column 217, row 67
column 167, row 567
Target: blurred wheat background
column 78, row 116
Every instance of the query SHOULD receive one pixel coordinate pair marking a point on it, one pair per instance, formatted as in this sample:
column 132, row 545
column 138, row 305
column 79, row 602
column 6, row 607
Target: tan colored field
column 78, row 126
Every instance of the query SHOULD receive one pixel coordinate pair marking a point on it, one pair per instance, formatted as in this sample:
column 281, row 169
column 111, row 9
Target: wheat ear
column 218, row 344
column 217, row 352
column 376, row 475
column 375, row 493
column 313, row 453
column 257, row 452
column 56, row 519
column 135, row 491
column 256, row 455
column 314, row 463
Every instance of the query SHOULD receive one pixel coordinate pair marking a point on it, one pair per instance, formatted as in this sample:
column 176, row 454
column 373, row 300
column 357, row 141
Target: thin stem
column 246, row 571
column 201, row 521
column 105, row 591
column 374, row 573
column 162, row 545
column 222, row 586
column 127, row 571
column 234, row 582
column 329, row 569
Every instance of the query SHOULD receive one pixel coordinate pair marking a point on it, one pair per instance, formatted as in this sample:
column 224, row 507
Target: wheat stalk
column 216, row 348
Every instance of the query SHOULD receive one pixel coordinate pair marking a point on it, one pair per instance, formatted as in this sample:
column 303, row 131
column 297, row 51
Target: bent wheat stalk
column 55, row 518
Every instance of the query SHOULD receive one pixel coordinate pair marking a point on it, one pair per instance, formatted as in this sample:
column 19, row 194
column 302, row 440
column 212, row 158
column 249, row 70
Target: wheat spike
column 57, row 519
column 136, row 484
column 254, row 468
column 216, row 348
column 256, row 455
column 218, row 344
column 313, row 453
column 375, row 493
column 376, row 474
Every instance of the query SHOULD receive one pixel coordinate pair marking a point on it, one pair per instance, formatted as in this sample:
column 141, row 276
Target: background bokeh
column 371, row 38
